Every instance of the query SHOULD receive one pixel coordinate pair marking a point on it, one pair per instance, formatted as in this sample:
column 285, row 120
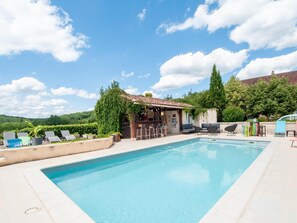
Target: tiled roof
column 292, row 78
column 157, row 102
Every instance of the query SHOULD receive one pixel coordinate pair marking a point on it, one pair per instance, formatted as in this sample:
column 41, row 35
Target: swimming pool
column 177, row 182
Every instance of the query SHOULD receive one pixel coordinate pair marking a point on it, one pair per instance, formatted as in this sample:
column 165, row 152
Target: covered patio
column 157, row 118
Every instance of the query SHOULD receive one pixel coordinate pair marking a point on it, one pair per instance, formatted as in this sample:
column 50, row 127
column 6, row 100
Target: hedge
column 90, row 128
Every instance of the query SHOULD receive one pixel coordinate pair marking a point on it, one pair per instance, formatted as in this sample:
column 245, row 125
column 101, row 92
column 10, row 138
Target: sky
column 56, row 55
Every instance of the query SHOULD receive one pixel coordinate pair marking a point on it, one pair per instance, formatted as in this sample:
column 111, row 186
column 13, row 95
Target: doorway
column 173, row 122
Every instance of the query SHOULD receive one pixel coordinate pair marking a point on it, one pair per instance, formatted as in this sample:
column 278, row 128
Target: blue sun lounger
column 10, row 141
column 280, row 128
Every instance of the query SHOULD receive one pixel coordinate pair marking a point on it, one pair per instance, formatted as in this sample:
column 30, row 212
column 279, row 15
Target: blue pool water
column 177, row 182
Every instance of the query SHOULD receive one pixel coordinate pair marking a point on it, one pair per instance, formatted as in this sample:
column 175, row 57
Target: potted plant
column 35, row 133
column 116, row 136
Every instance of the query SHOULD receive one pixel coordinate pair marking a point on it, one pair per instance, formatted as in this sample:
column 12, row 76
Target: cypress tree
column 217, row 97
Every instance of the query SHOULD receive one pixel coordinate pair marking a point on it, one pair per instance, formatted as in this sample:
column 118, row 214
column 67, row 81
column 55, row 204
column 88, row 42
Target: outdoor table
column 293, row 131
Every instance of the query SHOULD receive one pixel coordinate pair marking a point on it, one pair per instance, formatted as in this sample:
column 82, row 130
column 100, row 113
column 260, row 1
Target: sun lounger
column 66, row 135
column 22, row 134
column 26, row 141
column 51, row 137
column 280, row 128
column 10, row 141
column 7, row 136
column 14, row 143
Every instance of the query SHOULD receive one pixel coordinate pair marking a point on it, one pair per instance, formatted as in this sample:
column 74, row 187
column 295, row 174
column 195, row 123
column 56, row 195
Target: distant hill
column 5, row 118
column 8, row 123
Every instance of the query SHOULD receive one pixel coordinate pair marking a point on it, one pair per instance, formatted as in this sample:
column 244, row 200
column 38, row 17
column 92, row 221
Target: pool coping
column 55, row 201
column 230, row 206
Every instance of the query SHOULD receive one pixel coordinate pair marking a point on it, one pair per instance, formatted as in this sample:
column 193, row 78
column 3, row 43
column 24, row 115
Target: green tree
column 200, row 101
column 235, row 93
column 168, row 97
column 272, row 99
column 148, row 95
column 217, row 97
column 55, row 120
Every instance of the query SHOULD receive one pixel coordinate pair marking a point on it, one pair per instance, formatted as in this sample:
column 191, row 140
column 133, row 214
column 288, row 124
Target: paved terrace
column 266, row 192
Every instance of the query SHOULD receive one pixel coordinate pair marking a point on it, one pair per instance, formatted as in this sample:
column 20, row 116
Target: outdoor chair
column 51, row 137
column 212, row 129
column 158, row 130
column 199, row 130
column 10, row 141
column 24, row 137
column 164, row 130
column 280, row 128
column 142, row 132
column 22, row 134
column 66, row 135
column 152, row 131
column 139, row 133
column 188, row 128
column 231, row 129
column 146, row 132
column 205, row 126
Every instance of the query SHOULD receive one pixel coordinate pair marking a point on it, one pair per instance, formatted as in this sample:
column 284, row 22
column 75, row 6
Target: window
column 188, row 118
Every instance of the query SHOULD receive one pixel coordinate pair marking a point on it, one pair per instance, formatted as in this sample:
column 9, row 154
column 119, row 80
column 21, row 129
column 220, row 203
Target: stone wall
column 210, row 116
column 270, row 126
column 24, row 154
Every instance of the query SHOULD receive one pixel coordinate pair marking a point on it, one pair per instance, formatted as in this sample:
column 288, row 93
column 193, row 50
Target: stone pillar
column 133, row 127
column 180, row 114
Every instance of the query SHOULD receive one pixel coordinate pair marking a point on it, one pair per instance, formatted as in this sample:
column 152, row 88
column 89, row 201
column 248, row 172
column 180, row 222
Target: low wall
column 270, row 126
column 24, row 154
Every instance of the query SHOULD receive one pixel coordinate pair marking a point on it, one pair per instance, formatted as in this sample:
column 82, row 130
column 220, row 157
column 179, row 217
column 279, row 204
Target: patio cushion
column 13, row 143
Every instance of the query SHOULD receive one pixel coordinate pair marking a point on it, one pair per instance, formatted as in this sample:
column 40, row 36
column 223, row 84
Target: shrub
column 90, row 128
column 233, row 114
column 262, row 118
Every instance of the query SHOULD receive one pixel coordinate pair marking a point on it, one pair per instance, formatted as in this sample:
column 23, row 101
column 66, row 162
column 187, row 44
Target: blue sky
column 56, row 55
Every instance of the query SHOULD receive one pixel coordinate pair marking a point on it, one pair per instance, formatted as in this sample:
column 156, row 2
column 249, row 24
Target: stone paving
column 266, row 192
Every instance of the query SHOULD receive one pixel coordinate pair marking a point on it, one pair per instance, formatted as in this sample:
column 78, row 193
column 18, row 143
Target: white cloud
column 144, row 76
column 38, row 26
column 24, row 84
column 71, row 91
column 132, row 90
column 127, row 74
column 264, row 66
column 135, row 91
column 261, row 24
column 27, row 97
column 141, row 15
column 191, row 68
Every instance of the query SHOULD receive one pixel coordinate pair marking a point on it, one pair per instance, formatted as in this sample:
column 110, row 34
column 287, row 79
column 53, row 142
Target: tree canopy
column 148, row 95
column 272, row 99
column 217, row 97
column 235, row 93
